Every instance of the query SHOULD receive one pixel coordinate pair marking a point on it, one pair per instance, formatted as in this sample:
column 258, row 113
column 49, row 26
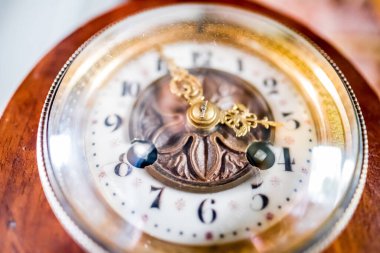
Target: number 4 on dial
column 262, row 155
column 286, row 160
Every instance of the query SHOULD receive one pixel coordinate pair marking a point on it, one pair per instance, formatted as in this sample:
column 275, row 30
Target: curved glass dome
column 194, row 127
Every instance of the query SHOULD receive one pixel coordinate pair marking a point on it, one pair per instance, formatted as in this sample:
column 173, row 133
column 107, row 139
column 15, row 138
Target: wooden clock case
column 27, row 223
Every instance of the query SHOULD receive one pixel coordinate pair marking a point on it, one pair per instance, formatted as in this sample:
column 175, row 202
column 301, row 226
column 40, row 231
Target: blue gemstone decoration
column 142, row 153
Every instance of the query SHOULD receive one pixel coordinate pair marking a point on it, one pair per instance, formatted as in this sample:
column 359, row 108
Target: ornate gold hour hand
column 183, row 84
column 241, row 120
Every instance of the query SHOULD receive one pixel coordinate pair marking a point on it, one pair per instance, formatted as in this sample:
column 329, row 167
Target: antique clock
column 202, row 127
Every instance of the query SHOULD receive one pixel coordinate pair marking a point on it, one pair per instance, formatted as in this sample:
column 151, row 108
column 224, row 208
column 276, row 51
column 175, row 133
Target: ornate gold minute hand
column 204, row 114
column 183, row 84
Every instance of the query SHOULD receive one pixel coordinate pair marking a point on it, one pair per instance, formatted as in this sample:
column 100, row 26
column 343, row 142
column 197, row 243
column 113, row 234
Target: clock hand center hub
column 203, row 115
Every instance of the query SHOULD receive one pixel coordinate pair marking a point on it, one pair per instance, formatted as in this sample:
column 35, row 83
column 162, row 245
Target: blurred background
column 30, row 28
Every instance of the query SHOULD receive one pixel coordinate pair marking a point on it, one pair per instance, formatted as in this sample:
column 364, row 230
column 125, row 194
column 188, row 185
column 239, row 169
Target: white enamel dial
column 199, row 218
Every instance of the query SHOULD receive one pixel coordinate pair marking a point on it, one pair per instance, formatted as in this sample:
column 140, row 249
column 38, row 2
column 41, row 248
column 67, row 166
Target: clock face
column 136, row 110
column 212, row 126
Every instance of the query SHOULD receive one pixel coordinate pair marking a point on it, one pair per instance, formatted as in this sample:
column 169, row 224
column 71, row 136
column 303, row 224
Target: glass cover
column 194, row 126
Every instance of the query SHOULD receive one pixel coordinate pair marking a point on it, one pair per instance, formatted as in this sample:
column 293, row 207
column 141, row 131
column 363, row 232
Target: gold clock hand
column 183, row 84
column 241, row 120
column 206, row 115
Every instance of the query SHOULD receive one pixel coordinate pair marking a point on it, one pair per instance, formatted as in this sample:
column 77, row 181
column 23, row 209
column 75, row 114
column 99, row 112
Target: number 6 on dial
column 206, row 214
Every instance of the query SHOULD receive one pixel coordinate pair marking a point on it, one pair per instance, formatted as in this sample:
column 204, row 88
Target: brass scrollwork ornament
column 241, row 120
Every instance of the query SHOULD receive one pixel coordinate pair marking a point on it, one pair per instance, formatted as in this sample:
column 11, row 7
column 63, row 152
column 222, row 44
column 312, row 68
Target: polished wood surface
column 27, row 223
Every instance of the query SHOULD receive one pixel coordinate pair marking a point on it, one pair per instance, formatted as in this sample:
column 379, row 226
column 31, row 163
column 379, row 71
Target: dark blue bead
column 142, row 153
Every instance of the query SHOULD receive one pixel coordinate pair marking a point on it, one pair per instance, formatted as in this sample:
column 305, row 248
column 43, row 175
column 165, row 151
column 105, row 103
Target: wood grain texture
column 27, row 223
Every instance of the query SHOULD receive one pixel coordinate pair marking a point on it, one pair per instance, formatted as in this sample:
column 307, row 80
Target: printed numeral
column 206, row 214
column 286, row 160
column 288, row 116
column 114, row 121
column 123, row 169
column 202, row 59
column 157, row 200
column 130, row 89
column 271, row 84
column 259, row 202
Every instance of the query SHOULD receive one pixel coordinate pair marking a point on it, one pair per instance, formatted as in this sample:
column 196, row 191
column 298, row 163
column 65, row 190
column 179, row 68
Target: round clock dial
column 201, row 125
column 194, row 161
